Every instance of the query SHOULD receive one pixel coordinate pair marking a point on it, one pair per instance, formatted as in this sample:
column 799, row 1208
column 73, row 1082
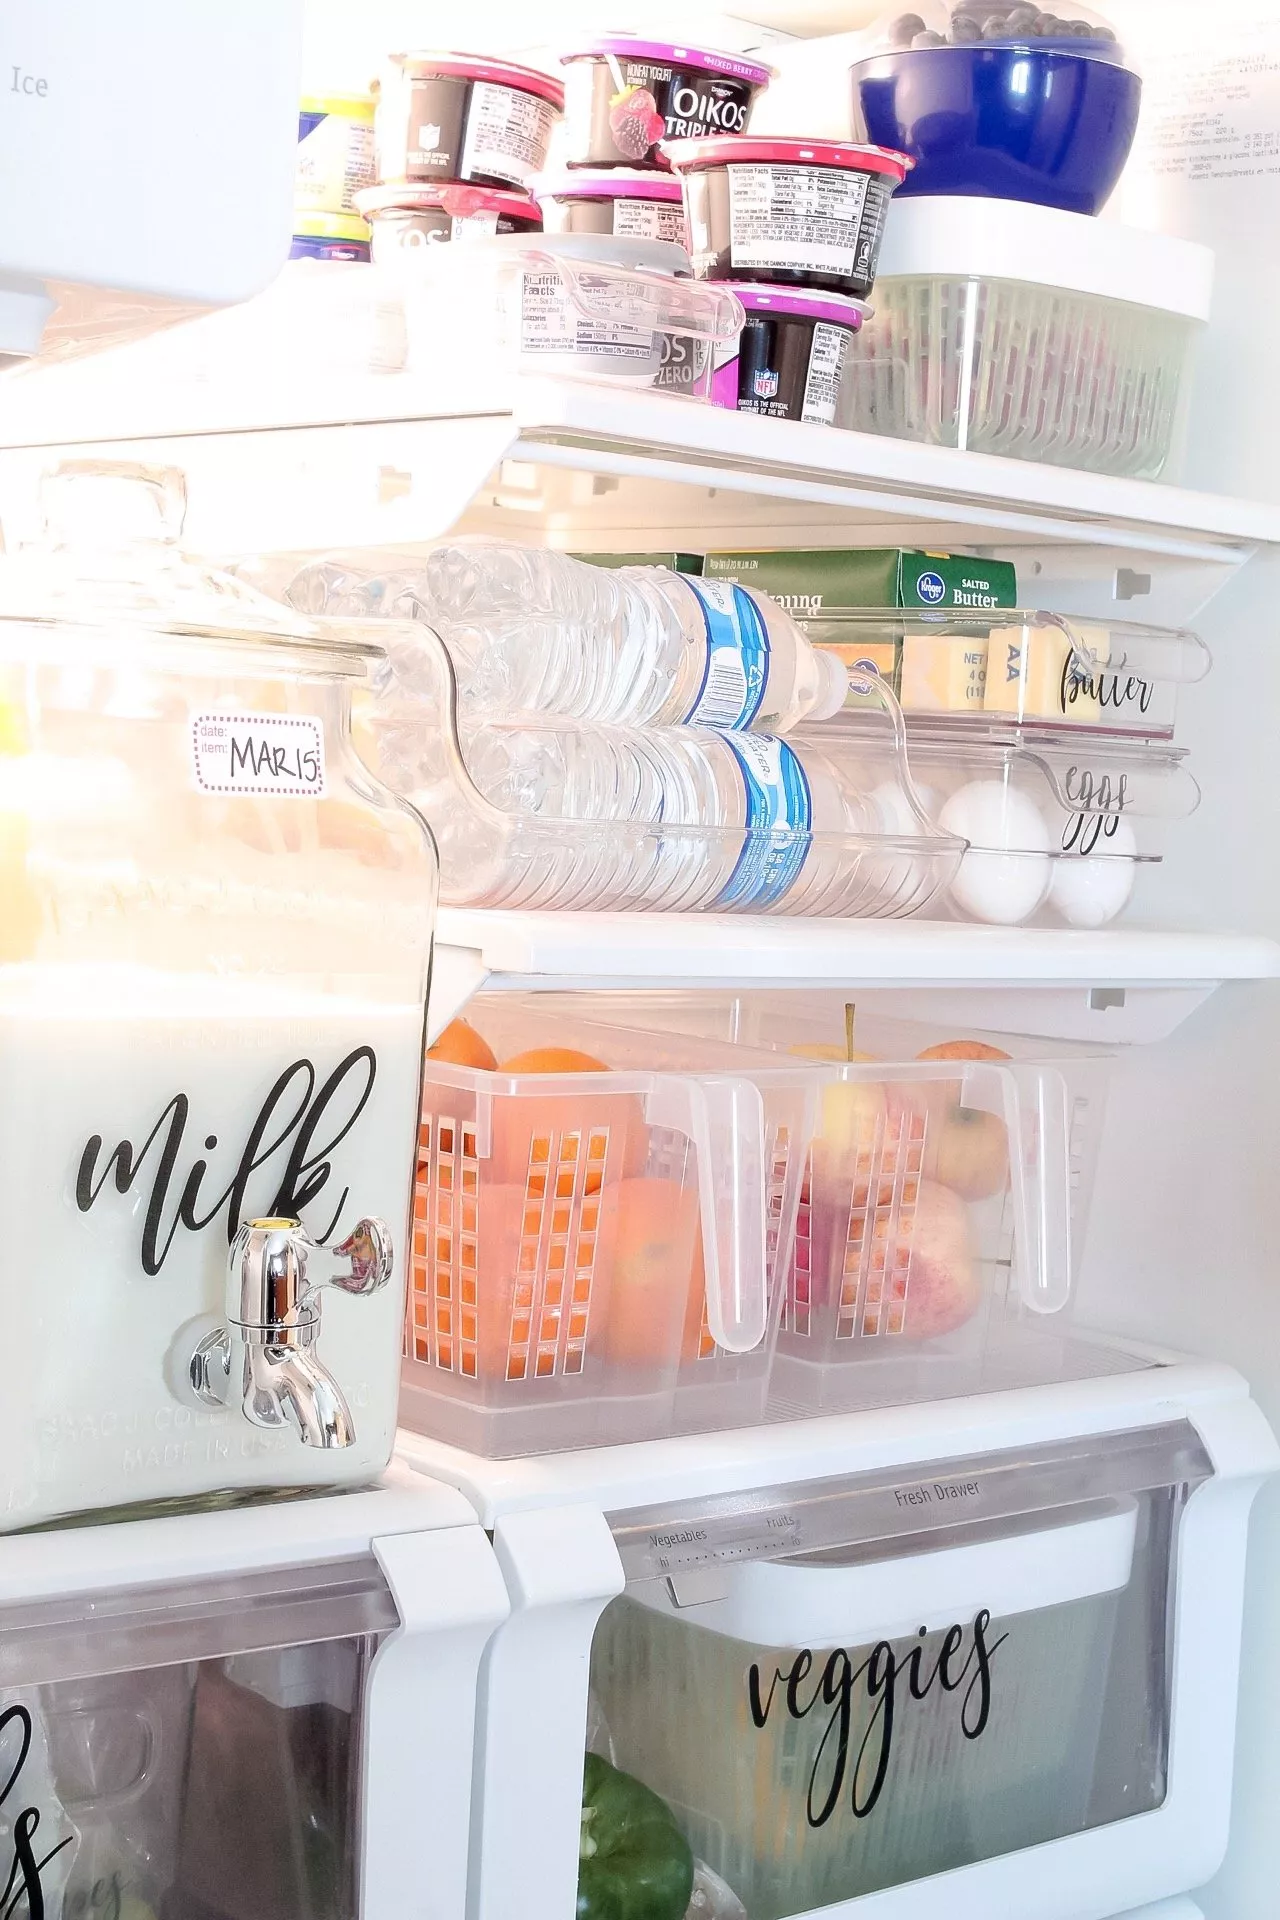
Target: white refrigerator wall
column 1184, row 1243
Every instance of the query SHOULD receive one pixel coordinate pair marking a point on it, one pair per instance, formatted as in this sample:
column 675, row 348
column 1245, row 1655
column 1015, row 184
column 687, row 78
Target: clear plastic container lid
column 996, row 24
column 110, row 556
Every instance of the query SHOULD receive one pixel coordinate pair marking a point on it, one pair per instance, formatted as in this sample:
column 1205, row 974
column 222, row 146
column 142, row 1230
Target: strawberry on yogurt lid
column 607, row 183
column 722, row 149
column 450, row 197
column 626, row 47
column 469, row 66
column 837, row 309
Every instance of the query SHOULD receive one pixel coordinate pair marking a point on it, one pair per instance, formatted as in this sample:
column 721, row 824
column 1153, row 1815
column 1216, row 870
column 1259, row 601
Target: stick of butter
column 943, row 673
column 1035, row 673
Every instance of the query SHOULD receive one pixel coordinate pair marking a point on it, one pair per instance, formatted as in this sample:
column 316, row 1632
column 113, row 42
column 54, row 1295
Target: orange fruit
column 562, row 1142
column 461, row 1046
column 963, row 1050
column 656, row 1286
column 968, row 1149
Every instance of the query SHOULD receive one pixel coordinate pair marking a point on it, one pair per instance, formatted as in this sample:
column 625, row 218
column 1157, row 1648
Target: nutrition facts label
column 827, row 356
column 507, row 133
column 804, row 218
column 649, row 220
column 548, row 324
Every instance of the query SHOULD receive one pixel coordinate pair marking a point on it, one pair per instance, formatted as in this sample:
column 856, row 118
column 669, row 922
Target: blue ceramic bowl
column 1012, row 123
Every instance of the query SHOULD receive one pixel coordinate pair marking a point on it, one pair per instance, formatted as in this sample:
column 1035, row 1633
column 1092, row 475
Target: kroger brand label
column 737, row 669
column 276, row 754
column 778, row 821
column 932, row 589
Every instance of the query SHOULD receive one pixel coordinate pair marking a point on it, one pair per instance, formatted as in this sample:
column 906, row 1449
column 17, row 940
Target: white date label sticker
column 276, row 754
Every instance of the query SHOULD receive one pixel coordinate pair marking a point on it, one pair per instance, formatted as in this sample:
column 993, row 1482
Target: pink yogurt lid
column 450, row 197
column 625, row 46
column 468, row 66
column 720, row 149
column 607, row 183
column 797, row 303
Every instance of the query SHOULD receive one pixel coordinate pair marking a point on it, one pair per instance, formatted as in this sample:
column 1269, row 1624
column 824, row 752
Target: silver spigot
column 264, row 1357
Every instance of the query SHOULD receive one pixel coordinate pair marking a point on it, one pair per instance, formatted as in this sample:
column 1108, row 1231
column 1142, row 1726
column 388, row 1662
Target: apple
column 967, row 1149
column 930, row 1265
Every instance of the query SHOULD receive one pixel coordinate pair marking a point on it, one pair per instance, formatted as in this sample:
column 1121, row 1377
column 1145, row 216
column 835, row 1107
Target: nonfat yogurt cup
column 797, row 213
column 404, row 216
column 624, row 96
column 455, row 116
column 630, row 204
column 793, row 354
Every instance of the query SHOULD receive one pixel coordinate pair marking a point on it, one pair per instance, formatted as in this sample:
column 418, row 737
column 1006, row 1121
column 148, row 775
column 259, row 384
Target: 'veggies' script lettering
column 834, row 1688
column 23, row 1884
column 310, row 1120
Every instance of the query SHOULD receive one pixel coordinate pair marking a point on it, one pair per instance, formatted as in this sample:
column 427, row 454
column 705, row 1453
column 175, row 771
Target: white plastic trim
column 420, row 1720
column 955, row 238
column 561, row 1568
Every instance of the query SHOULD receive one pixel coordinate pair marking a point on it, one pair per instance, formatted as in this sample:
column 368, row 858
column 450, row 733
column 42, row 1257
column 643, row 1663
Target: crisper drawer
column 1013, row 1669
column 248, row 1715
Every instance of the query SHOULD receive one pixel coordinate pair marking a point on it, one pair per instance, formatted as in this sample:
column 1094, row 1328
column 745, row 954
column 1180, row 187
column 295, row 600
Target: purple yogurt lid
column 839, row 309
column 671, row 55
column 607, row 183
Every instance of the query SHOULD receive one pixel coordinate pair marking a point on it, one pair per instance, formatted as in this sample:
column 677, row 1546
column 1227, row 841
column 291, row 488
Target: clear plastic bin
column 941, row 1201
column 597, row 1254
column 1105, row 677
column 644, row 845
column 1032, row 333
column 581, row 306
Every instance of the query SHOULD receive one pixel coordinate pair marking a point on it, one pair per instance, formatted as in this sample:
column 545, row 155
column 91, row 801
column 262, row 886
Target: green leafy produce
column 634, row 1863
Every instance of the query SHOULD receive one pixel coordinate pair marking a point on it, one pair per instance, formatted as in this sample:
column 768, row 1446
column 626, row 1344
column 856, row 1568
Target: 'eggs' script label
column 259, row 753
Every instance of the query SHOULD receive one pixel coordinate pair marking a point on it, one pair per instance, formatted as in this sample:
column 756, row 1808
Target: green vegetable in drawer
column 634, row 1863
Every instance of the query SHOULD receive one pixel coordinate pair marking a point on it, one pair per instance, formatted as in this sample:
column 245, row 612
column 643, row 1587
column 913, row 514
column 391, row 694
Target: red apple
column 932, row 1283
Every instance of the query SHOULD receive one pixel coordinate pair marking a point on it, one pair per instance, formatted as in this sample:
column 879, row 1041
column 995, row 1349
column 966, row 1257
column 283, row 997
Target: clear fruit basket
column 943, row 1192
column 601, row 1222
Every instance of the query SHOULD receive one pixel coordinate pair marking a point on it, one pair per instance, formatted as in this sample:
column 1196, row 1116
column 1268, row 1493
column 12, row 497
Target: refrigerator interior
column 1183, row 1244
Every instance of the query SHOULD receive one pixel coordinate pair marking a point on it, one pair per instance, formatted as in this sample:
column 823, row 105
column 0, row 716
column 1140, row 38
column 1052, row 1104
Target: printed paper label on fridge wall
column 275, row 754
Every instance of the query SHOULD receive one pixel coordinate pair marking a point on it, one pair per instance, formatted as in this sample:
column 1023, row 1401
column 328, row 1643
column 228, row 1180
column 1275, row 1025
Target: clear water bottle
column 737, row 822
column 534, row 631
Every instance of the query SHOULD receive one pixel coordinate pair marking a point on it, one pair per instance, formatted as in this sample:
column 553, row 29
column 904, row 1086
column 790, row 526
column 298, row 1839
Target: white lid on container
column 953, row 237
column 598, row 250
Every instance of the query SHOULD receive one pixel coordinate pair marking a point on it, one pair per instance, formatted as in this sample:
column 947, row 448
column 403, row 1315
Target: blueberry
column 1048, row 26
column 929, row 39
column 1022, row 20
column 996, row 30
column 904, row 29
column 964, row 29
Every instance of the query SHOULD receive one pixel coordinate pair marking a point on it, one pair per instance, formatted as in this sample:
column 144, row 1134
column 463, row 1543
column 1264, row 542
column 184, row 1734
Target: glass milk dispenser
column 214, row 950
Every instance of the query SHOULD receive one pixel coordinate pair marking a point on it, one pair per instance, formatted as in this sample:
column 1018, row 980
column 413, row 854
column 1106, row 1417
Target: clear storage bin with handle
column 944, row 1195
column 602, row 1220
column 535, row 812
column 213, row 961
column 576, row 306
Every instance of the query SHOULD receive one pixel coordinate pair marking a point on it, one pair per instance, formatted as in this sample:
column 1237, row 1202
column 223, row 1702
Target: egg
column 1090, row 889
column 905, row 882
column 1005, row 874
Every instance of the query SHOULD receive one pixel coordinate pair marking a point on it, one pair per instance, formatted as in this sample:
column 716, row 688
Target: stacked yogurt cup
column 459, row 138
column 657, row 134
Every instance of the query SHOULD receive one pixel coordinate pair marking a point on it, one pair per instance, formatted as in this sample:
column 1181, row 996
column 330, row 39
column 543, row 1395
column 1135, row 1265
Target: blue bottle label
column 778, row 819
column 737, row 668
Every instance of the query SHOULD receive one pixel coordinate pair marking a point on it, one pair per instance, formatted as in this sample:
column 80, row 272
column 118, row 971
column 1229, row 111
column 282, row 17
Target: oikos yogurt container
column 452, row 116
column 797, row 213
column 404, row 216
column 614, row 200
column 793, row 355
column 329, row 236
column 624, row 96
